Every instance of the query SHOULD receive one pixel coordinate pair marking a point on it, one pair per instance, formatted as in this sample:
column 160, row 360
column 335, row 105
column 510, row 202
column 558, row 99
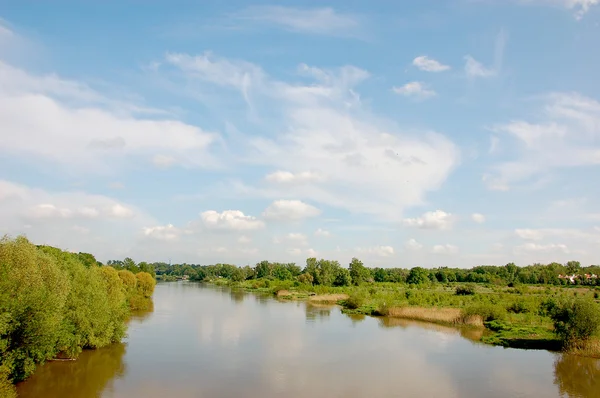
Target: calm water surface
column 203, row 341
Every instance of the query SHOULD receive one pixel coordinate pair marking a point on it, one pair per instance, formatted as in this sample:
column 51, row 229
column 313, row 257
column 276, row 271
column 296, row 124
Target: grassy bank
column 518, row 317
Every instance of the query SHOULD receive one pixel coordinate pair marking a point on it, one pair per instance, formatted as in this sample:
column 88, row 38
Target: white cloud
column 76, row 220
column 445, row 249
column 536, row 247
column 474, row 68
column 163, row 161
column 412, row 244
column 244, row 239
column 567, row 135
column 321, row 21
column 76, row 126
column 581, row 7
column 311, row 253
column 322, row 233
column 295, row 251
column 325, row 126
column 285, row 177
column 415, row 90
column 119, row 211
column 233, row 220
column 573, row 234
column 290, row 210
column 478, row 218
column 431, row 220
column 162, row 232
column 295, row 238
column 427, row 64
column 380, row 251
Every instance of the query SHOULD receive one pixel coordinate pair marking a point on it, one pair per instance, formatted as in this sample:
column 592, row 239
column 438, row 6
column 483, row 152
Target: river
column 204, row 341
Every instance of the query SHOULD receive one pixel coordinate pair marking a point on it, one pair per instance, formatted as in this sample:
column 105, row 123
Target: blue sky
column 426, row 133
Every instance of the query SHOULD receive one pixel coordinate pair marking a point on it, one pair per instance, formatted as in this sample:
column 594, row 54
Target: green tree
column 263, row 269
column 573, row 267
column 417, row 275
column 358, row 272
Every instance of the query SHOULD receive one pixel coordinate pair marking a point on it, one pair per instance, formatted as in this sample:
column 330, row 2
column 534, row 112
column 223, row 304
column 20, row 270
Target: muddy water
column 202, row 341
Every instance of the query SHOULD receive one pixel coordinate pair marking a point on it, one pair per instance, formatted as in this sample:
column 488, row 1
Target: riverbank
column 511, row 317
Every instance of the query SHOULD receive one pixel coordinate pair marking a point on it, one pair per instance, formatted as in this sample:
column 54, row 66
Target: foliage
column 465, row 290
column 417, row 276
column 575, row 320
column 487, row 311
column 57, row 303
column 358, row 272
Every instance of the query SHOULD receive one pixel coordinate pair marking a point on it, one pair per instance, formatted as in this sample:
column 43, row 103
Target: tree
column 380, row 275
column 358, row 272
column 130, row 265
column 342, row 277
column 575, row 320
column 573, row 267
column 417, row 276
column 263, row 269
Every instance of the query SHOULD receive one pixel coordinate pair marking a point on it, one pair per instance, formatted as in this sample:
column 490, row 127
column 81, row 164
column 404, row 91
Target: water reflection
column 237, row 296
column 92, row 373
column 470, row 333
column 142, row 315
column 577, row 376
column 317, row 312
column 203, row 341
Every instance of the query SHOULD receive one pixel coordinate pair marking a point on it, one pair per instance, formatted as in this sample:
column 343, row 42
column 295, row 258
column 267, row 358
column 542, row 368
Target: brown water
column 202, row 341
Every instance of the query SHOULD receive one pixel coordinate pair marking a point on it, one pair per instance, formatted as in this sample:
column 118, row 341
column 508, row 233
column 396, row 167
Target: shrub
column 489, row 312
column 575, row 320
column 518, row 307
column 465, row 290
column 306, row 278
column 356, row 300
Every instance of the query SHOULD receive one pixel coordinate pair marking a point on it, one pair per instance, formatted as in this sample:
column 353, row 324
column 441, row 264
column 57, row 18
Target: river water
column 202, row 342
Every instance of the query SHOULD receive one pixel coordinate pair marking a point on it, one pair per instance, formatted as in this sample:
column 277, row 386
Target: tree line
column 331, row 273
column 54, row 304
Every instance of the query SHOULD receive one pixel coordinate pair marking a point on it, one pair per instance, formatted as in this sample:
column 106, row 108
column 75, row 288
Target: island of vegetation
column 553, row 306
column 54, row 304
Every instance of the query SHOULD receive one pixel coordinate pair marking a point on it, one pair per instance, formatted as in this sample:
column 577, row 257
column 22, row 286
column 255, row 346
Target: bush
column 519, row 307
column 575, row 320
column 356, row 300
column 489, row 312
column 466, row 290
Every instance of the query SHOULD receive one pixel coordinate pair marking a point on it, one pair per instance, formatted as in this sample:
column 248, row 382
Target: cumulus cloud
column 427, row 64
column 380, row 251
column 286, row 177
column 295, row 238
column 289, row 210
column 244, row 239
column 324, row 125
column 233, row 220
column 162, row 232
column 431, row 220
column 412, row 244
column 547, row 248
column 445, row 249
column 415, row 90
column 322, row 233
column 566, row 134
column 77, row 126
column 478, row 218
column 580, row 7
column 67, row 219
